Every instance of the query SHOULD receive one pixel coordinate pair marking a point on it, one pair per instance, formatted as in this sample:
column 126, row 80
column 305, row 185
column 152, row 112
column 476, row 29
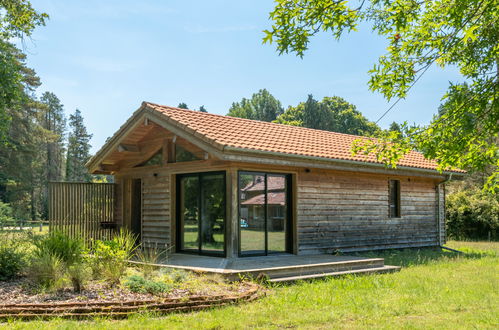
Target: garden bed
column 20, row 301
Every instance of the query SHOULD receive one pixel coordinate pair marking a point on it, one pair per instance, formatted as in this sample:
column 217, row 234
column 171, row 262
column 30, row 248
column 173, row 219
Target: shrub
column 11, row 262
column 46, row 270
column 111, row 257
column 139, row 284
column 69, row 250
column 13, row 254
column 59, row 255
column 472, row 214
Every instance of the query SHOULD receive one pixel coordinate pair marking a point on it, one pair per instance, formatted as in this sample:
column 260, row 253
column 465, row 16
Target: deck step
column 309, row 269
column 374, row 270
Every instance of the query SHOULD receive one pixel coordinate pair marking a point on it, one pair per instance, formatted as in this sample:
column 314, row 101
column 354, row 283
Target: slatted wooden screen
column 82, row 209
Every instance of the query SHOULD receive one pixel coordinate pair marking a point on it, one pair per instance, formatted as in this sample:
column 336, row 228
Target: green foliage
column 61, row 256
column 262, row 106
column 448, row 33
column 78, row 150
column 79, row 273
column 149, row 257
column 139, row 284
column 472, row 214
column 111, row 257
column 46, row 270
column 12, row 257
column 69, row 250
column 202, row 109
column 331, row 114
column 182, row 105
column 5, row 213
column 17, row 19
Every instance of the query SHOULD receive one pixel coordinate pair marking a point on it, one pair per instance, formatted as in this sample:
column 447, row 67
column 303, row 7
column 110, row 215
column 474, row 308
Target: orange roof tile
column 278, row 138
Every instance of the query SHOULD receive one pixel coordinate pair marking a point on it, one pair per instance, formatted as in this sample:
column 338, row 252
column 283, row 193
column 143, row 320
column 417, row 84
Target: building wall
column 156, row 224
column 349, row 212
column 333, row 210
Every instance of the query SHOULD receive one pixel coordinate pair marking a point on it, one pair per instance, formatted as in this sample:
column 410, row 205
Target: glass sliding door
column 212, row 190
column 264, row 213
column 277, row 212
column 252, row 213
column 201, row 213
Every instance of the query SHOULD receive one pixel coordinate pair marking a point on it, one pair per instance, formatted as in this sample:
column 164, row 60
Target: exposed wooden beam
column 128, row 148
column 146, row 122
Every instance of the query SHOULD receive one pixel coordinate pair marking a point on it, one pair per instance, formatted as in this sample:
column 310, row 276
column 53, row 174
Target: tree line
column 38, row 144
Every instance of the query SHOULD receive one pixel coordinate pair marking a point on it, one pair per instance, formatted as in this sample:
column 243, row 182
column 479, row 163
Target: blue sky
column 106, row 57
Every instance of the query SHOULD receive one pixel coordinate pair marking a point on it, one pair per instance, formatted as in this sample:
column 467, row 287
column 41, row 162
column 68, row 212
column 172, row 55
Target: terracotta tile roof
column 278, row 138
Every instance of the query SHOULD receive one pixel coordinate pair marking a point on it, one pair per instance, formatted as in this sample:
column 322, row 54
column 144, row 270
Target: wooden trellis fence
column 82, row 209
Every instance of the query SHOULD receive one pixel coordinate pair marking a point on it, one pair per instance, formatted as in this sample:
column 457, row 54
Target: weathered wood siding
column 156, row 226
column 349, row 212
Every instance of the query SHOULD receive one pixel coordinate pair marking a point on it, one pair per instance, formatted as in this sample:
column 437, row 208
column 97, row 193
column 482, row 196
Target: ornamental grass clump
column 58, row 257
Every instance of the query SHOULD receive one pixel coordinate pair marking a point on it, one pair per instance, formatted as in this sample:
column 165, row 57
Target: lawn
column 435, row 289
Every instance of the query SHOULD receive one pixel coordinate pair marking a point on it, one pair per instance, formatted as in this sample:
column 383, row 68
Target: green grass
column 435, row 289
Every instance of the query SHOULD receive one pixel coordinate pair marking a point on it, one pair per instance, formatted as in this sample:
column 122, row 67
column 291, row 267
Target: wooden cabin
column 222, row 186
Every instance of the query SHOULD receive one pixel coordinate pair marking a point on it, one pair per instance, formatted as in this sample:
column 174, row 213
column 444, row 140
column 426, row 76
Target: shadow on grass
column 423, row 256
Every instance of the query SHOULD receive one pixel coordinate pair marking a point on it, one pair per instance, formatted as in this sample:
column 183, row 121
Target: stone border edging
column 115, row 310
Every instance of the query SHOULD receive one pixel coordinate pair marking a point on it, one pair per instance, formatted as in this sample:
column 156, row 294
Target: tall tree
column 331, row 114
column 262, row 106
column 17, row 20
column 54, row 122
column 21, row 162
column 202, row 109
column 78, row 150
column 464, row 34
column 182, row 105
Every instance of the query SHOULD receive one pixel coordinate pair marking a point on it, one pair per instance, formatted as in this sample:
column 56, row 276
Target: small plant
column 78, row 273
column 46, row 270
column 149, row 257
column 139, row 284
column 111, row 257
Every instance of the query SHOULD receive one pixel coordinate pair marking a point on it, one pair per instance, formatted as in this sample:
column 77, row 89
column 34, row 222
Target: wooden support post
column 232, row 236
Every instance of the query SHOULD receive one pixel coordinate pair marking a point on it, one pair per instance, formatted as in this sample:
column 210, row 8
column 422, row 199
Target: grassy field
column 435, row 289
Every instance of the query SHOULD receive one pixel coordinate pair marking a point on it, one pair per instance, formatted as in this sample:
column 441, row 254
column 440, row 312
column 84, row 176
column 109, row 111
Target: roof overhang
column 229, row 153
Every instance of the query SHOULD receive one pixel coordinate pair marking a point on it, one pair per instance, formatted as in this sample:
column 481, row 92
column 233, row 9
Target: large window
column 264, row 213
column 201, row 213
column 394, row 198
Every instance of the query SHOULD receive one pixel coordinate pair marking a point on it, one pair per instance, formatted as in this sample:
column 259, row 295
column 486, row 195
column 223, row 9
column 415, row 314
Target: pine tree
column 78, row 150
column 54, row 122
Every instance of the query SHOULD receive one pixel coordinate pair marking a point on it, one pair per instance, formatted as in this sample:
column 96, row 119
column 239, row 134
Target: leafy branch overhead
column 456, row 33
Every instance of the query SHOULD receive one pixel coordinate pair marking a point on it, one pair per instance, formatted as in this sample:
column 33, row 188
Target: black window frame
column 179, row 229
column 394, row 209
column 289, row 213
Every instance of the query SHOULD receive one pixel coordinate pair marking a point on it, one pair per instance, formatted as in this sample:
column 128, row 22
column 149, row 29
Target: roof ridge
column 254, row 120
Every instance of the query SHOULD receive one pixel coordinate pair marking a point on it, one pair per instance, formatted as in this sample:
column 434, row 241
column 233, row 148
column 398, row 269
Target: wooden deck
column 282, row 267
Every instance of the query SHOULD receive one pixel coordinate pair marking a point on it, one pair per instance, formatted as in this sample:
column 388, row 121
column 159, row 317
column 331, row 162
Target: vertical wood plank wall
column 81, row 209
column 349, row 212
